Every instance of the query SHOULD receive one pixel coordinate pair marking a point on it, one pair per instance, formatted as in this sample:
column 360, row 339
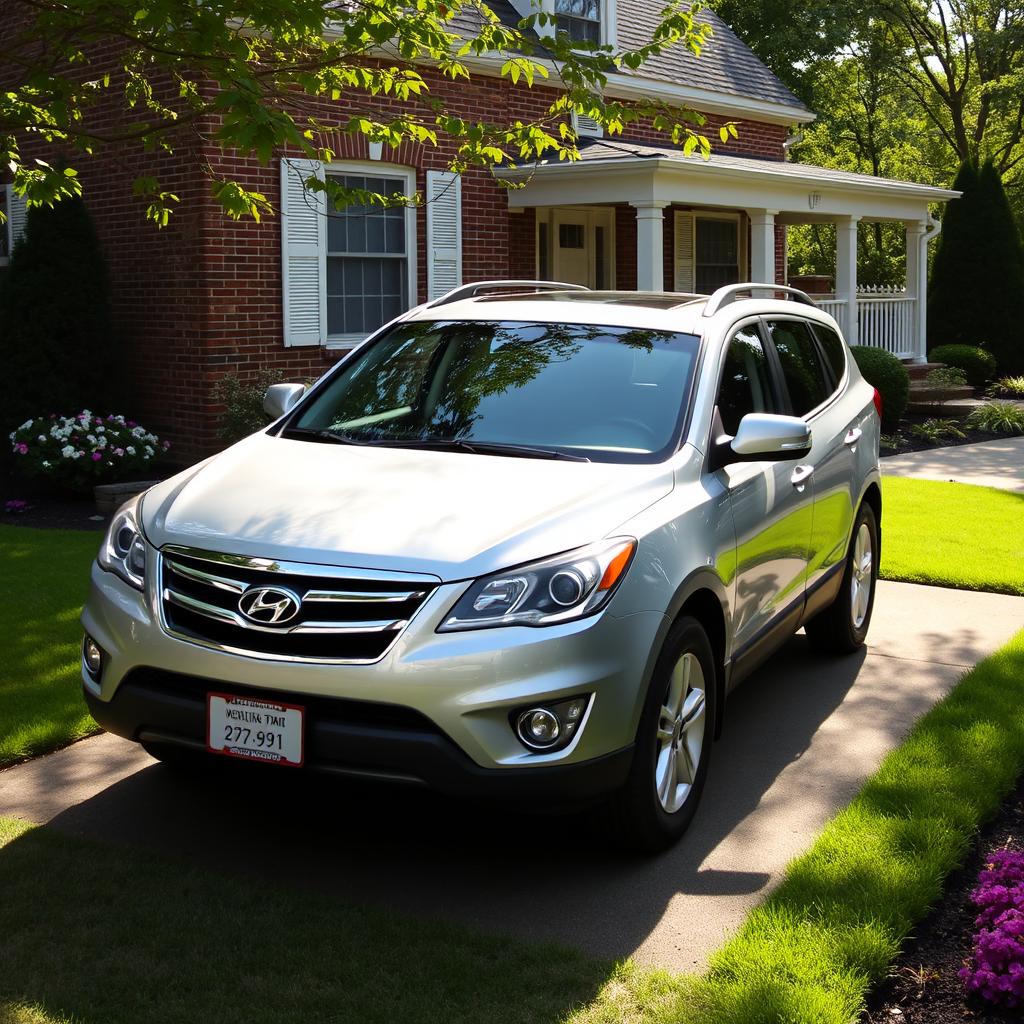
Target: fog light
column 538, row 727
column 92, row 656
column 551, row 727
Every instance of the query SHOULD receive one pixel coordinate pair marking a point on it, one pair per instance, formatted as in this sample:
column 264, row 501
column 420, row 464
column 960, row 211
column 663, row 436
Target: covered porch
column 630, row 215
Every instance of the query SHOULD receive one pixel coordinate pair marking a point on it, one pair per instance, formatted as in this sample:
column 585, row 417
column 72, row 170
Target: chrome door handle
column 800, row 476
column 853, row 436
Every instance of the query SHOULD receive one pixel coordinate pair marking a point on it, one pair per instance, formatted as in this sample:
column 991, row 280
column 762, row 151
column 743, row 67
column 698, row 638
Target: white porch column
column 762, row 245
column 650, row 244
column 846, row 273
column 917, row 285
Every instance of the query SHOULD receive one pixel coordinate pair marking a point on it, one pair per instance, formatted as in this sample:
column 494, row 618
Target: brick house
column 209, row 296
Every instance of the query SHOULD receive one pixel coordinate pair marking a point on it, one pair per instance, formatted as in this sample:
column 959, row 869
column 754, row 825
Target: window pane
column 571, row 236
column 717, row 254
column 835, row 350
column 375, row 233
column 746, row 385
column 801, row 365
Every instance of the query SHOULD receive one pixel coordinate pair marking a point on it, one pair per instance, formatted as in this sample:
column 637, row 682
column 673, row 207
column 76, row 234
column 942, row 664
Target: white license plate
column 258, row 730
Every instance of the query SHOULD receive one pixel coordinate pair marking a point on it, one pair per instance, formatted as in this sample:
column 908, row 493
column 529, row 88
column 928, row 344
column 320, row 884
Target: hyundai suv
column 522, row 542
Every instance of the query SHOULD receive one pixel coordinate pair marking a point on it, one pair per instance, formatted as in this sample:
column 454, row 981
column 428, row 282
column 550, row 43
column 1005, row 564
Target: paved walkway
column 989, row 464
column 800, row 738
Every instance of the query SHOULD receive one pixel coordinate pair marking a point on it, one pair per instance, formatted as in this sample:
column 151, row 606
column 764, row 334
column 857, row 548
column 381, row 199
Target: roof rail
column 469, row 291
column 731, row 292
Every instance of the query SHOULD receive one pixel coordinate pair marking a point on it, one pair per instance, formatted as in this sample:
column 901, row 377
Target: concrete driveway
column 988, row 464
column 800, row 738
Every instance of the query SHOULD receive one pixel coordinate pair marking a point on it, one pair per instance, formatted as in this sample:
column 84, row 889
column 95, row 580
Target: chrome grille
column 344, row 615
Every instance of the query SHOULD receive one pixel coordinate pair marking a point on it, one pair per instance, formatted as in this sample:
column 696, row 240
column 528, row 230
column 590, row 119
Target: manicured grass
column 90, row 933
column 952, row 535
column 809, row 953
column 44, row 579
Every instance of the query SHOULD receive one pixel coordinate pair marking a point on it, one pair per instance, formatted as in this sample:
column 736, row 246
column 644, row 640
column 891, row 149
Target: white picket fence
column 886, row 319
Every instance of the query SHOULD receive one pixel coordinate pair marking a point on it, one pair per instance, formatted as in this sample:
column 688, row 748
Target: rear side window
column 746, row 382
column 802, row 367
column 834, row 349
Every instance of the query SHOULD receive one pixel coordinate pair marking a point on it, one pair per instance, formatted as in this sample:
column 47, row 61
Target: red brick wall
column 202, row 298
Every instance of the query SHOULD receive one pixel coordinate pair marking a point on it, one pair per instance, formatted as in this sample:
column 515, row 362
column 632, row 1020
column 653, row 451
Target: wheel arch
column 703, row 596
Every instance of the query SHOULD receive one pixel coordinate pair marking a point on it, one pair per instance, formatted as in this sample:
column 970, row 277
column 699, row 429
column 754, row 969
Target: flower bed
column 78, row 452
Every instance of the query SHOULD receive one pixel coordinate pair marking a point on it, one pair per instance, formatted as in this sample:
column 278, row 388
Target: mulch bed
column 918, row 444
column 923, row 987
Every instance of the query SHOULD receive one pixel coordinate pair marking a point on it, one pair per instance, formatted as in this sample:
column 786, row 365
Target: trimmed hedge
column 884, row 371
column 977, row 364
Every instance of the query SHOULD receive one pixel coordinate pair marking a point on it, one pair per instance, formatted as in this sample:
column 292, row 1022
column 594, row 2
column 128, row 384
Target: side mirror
column 281, row 398
column 763, row 437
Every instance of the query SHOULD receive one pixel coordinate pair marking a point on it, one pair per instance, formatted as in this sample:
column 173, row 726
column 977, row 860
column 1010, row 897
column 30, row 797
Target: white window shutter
column 684, row 261
column 444, row 232
column 303, row 254
column 17, row 215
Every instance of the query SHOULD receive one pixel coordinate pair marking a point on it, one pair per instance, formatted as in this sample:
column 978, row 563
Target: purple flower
column 97, row 457
column 21, row 448
column 16, row 505
column 119, row 451
column 131, row 423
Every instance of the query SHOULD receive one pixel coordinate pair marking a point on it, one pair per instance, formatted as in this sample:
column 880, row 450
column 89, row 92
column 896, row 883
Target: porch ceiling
column 614, row 171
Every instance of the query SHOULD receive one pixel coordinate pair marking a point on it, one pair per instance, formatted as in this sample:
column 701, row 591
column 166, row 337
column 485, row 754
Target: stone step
column 918, row 371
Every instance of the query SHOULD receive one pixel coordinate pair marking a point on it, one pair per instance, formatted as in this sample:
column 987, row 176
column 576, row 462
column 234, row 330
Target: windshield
column 602, row 393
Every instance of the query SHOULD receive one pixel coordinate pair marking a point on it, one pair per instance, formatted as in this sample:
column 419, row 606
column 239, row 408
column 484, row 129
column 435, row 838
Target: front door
column 581, row 246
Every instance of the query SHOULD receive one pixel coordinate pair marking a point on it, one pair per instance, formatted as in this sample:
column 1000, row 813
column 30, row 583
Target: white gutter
column 755, row 169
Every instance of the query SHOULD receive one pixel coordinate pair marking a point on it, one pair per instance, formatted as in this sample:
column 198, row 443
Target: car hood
column 453, row 515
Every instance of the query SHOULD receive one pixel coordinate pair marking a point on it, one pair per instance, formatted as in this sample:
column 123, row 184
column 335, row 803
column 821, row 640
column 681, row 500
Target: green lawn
column 44, row 579
column 952, row 535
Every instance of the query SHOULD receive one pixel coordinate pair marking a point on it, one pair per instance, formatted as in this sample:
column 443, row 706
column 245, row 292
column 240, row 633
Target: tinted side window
column 834, row 349
column 746, row 385
column 801, row 363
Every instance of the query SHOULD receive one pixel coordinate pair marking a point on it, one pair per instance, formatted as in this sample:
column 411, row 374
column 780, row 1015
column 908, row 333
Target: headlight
column 124, row 550
column 558, row 589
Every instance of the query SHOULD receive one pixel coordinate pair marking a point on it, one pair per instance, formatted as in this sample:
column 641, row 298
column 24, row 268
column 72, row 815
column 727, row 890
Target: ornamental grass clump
column 77, row 452
column 996, row 970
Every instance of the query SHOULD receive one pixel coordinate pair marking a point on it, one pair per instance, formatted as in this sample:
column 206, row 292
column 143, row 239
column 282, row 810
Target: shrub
column 77, row 452
column 243, row 403
column 57, row 343
column 976, row 290
column 978, row 365
column 1007, row 387
column 933, row 430
column 997, row 418
column 885, row 372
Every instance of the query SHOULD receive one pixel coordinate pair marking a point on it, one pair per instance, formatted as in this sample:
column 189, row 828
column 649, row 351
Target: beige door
column 581, row 246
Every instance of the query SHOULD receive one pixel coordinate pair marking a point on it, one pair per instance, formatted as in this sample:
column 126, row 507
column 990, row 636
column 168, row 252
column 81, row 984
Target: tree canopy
column 252, row 75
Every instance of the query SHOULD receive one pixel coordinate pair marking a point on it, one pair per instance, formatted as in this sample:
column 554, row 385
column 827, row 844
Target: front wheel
column 842, row 628
column 670, row 764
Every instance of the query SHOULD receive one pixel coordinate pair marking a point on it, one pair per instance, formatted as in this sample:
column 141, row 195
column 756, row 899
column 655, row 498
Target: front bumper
column 353, row 739
column 434, row 710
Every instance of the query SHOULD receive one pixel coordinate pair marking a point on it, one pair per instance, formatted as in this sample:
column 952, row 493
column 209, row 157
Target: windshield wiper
column 521, row 451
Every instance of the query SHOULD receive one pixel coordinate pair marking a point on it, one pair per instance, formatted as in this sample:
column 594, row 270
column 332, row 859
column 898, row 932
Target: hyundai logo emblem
column 269, row 606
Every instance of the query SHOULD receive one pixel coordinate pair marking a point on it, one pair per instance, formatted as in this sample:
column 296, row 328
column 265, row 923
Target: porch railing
column 886, row 319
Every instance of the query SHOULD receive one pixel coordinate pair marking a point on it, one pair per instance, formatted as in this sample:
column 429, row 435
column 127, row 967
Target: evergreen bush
column 884, row 371
column 978, row 366
column 57, row 344
column 976, row 291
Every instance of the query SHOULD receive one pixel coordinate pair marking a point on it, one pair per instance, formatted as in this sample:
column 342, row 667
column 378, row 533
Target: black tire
column 639, row 821
column 836, row 630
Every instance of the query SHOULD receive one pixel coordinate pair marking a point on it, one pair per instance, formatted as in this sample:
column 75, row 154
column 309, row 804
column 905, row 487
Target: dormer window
column 579, row 19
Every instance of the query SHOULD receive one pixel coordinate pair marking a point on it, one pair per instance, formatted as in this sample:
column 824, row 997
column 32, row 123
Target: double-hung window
column 579, row 19
column 367, row 259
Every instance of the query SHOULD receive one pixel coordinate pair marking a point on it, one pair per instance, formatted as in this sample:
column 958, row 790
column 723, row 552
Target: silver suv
column 522, row 542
